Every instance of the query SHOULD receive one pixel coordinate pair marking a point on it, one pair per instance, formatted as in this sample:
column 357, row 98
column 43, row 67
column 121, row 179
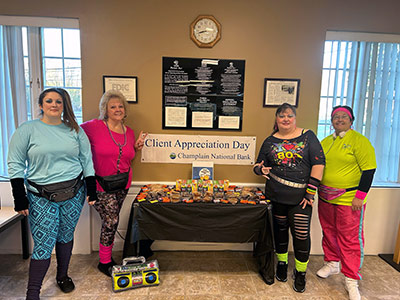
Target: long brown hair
column 68, row 116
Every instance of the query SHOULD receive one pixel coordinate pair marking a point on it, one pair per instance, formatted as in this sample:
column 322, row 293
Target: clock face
column 205, row 30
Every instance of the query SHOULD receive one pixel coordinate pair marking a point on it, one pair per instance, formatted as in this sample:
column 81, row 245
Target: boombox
column 134, row 272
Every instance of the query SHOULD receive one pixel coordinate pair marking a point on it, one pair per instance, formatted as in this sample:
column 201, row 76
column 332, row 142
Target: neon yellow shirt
column 346, row 158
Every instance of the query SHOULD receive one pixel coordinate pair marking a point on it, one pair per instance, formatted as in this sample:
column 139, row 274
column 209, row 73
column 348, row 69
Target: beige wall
column 276, row 38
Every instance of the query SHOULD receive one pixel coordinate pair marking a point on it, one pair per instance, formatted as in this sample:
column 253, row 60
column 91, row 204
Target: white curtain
column 13, row 103
column 378, row 104
column 366, row 77
column 374, row 94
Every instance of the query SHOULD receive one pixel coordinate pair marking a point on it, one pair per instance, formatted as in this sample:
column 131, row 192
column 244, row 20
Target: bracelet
column 311, row 190
column 309, row 196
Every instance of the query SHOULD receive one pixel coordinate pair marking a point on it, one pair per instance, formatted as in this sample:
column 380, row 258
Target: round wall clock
column 205, row 31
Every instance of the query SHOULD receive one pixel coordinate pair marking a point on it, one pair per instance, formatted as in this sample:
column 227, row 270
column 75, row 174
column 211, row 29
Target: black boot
column 299, row 283
column 106, row 268
column 281, row 271
column 37, row 271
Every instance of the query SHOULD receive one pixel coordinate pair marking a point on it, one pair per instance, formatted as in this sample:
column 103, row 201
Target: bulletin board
column 202, row 93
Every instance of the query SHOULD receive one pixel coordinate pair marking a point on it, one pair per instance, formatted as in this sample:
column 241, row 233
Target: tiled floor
column 198, row 276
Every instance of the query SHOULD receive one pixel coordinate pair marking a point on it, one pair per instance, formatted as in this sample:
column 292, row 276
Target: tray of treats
column 206, row 191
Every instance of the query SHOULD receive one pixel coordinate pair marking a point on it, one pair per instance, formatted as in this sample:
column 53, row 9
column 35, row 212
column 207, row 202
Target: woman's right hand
column 140, row 141
column 264, row 170
column 24, row 212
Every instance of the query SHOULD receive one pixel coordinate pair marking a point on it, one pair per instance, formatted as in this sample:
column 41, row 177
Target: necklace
column 120, row 146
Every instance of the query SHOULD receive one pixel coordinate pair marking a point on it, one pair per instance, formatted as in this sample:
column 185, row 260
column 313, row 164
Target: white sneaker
column 329, row 268
column 351, row 286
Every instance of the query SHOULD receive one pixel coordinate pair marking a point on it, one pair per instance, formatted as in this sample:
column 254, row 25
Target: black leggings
column 298, row 220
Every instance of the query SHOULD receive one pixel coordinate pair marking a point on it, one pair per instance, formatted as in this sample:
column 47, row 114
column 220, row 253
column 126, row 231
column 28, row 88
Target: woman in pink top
column 113, row 147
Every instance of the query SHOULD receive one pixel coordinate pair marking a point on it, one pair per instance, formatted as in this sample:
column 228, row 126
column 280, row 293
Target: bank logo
column 172, row 155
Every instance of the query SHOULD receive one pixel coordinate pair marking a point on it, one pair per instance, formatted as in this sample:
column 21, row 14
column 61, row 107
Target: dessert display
column 207, row 191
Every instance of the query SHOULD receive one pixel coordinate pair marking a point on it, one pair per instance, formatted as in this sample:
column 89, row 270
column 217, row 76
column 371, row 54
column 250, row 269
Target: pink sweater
column 105, row 151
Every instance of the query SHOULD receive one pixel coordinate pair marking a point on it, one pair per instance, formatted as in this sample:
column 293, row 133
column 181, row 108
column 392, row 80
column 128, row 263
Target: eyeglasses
column 343, row 117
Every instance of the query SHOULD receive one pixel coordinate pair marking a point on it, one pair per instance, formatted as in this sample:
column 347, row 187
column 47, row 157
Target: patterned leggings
column 108, row 206
column 53, row 222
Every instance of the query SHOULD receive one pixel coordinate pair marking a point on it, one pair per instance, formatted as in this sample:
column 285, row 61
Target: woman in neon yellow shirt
column 348, row 174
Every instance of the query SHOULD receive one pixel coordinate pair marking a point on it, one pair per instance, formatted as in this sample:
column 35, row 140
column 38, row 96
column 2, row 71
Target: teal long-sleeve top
column 47, row 154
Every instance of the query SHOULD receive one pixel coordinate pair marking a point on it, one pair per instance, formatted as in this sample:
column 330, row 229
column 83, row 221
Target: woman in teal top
column 50, row 155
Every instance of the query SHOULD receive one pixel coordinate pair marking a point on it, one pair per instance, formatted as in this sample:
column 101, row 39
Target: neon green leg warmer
column 301, row 266
column 282, row 257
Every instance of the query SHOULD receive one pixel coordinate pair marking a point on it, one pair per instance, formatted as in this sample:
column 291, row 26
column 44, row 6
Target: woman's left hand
column 140, row 141
column 357, row 204
column 90, row 202
column 306, row 202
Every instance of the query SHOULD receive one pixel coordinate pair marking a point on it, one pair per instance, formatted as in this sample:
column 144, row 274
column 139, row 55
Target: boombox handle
column 133, row 260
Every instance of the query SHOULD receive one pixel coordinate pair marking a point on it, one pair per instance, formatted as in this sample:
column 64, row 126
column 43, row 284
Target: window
column 48, row 50
column 26, row 72
column 62, row 63
column 365, row 75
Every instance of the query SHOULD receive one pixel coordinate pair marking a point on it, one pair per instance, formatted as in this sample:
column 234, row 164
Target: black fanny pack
column 113, row 183
column 59, row 191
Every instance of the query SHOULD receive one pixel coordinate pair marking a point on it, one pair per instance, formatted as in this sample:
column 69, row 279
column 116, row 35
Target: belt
column 287, row 182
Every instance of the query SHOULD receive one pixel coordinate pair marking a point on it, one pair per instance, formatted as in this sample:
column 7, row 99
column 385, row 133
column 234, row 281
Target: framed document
column 202, row 93
column 127, row 85
column 279, row 90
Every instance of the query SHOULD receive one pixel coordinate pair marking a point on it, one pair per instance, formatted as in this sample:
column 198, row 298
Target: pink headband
column 344, row 110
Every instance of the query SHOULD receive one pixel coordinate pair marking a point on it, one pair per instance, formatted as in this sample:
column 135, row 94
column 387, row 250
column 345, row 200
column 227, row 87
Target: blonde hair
column 107, row 96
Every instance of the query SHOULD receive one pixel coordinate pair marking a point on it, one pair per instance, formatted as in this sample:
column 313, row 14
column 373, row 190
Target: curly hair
column 107, row 96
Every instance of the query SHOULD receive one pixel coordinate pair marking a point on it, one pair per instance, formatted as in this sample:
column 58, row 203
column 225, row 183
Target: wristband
column 314, row 182
column 91, row 188
column 310, row 192
column 18, row 190
column 311, row 189
column 257, row 170
column 361, row 195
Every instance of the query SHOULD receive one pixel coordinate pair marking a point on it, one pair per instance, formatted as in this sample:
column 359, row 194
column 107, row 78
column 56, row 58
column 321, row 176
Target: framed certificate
column 127, row 85
column 278, row 91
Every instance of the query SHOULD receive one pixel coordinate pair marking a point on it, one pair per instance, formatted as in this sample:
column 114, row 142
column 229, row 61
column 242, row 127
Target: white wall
column 381, row 222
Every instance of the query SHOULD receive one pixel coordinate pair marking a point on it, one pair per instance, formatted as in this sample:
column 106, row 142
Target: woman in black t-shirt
column 292, row 161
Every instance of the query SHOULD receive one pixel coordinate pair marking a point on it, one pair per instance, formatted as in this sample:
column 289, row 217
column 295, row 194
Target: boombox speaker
column 135, row 272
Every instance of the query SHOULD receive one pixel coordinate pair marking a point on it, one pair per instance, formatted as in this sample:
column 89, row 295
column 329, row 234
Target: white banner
column 184, row 149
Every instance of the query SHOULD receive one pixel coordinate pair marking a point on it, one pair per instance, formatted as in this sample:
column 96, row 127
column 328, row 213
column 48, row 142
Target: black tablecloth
column 205, row 222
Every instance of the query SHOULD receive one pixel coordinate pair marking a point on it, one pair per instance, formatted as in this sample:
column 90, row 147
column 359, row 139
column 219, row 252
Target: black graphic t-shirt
column 292, row 160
